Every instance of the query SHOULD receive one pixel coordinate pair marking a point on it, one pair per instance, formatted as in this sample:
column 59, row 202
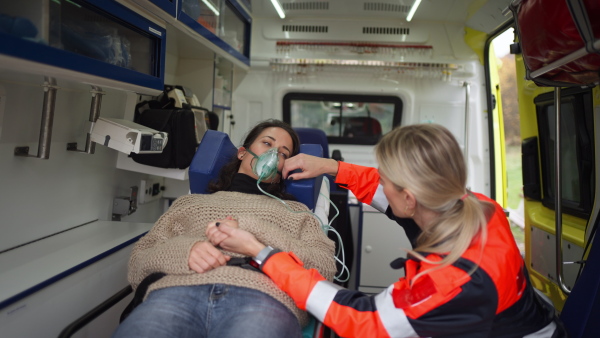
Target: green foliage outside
column 512, row 133
column 515, row 188
column 514, row 176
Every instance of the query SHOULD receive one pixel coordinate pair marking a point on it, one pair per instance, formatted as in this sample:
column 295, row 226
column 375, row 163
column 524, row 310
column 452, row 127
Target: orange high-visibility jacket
column 496, row 300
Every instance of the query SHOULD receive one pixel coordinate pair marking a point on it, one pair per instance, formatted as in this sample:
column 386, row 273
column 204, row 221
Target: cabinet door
column 101, row 38
column 382, row 241
column 224, row 23
column 169, row 6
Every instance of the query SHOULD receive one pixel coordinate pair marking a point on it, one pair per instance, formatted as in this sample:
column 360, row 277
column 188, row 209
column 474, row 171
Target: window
column 345, row 119
column 576, row 150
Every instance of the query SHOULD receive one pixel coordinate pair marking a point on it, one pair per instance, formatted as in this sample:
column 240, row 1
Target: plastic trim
column 66, row 273
column 241, row 11
column 169, row 6
column 36, row 52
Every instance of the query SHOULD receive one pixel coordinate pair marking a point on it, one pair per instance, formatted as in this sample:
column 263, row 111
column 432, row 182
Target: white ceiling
column 479, row 14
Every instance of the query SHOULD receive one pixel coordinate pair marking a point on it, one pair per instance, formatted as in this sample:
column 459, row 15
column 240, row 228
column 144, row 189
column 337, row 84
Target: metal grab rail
column 563, row 61
column 467, row 86
column 558, row 194
column 94, row 313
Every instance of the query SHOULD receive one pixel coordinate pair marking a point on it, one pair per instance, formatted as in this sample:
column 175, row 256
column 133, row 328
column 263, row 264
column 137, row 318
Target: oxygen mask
column 265, row 166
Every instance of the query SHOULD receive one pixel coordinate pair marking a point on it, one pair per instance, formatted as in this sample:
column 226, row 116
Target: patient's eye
column 284, row 155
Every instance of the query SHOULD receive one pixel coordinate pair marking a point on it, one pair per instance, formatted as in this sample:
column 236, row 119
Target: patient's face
column 269, row 138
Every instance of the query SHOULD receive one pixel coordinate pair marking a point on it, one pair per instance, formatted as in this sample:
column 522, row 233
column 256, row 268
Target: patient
column 200, row 295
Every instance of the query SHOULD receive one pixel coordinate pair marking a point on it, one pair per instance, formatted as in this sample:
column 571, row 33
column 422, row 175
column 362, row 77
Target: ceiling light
column 278, row 8
column 413, row 9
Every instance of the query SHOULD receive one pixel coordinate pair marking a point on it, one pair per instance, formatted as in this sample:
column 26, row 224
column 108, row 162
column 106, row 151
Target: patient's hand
column 204, row 257
column 233, row 239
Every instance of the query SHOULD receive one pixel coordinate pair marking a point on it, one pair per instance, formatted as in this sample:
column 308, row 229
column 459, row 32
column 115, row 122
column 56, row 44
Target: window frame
column 581, row 99
column 317, row 97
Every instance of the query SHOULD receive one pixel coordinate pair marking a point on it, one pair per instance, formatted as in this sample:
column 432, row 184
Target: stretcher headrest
column 314, row 136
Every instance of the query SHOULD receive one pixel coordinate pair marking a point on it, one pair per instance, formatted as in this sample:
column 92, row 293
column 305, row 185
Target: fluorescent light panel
column 413, row 9
column 278, row 8
column 211, row 7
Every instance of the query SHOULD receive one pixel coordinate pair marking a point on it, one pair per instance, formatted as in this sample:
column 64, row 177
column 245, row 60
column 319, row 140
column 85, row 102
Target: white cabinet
column 93, row 41
column 382, row 241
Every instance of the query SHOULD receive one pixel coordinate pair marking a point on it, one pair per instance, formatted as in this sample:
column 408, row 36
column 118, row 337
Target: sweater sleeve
column 312, row 245
column 165, row 248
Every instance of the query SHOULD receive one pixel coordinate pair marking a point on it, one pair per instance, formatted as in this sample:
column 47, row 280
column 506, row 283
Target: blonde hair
column 426, row 159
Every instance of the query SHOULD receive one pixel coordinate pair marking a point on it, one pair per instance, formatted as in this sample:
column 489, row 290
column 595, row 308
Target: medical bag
column 567, row 45
column 185, row 123
column 181, row 126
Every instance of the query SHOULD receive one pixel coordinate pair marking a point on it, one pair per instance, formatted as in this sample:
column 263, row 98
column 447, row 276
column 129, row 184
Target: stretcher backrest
column 216, row 149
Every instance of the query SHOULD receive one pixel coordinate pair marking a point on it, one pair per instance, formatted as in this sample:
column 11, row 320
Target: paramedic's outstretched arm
column 362, row 181
column 311, row 166
column 353, row 314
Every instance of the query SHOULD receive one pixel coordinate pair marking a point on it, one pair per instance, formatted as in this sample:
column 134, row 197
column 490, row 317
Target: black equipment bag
column 182, row 143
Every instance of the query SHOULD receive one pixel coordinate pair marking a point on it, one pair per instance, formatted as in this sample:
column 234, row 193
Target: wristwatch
column 262, row 255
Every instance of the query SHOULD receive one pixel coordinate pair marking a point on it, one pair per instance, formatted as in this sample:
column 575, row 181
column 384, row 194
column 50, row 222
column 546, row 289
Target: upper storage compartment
column 559, row 49
column 101, row 38
column 169, row 6
column 225, row 23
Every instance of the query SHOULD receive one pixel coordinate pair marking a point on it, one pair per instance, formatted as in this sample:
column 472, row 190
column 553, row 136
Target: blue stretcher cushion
column 216, row 149
column 314, row 136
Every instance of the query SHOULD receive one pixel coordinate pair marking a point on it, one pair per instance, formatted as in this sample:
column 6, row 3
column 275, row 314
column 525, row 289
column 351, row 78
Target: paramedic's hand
column 311, row 166
column 234, row 239
column 204, row 257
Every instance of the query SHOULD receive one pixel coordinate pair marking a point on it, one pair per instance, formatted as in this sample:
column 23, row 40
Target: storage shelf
column 126, row 163
column 15, row 64
column 180, row 40
column 29, row 268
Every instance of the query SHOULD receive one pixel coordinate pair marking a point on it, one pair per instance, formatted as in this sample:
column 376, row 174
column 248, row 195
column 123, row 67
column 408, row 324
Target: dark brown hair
column 223, row 181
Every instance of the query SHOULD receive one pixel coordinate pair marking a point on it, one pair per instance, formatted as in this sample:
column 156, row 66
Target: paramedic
column 465, row 276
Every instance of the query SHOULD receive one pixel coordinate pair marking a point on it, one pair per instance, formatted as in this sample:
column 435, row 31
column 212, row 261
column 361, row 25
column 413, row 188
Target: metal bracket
column 90, row 147
column 50, row 89
column 123, row 206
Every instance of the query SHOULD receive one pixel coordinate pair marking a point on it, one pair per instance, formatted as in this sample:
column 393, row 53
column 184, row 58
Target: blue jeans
column 215, row 310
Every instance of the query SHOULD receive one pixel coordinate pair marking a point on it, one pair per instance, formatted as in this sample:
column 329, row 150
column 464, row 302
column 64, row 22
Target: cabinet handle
column 368, row 248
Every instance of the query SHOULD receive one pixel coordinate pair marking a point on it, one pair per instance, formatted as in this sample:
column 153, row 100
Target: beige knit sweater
column 166, row 247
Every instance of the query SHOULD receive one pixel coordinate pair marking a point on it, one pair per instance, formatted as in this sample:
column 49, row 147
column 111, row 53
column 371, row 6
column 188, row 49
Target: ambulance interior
column 74, row 73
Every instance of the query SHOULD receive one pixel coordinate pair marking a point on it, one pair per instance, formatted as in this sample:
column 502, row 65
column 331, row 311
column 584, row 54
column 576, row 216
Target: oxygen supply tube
column 339, row 256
